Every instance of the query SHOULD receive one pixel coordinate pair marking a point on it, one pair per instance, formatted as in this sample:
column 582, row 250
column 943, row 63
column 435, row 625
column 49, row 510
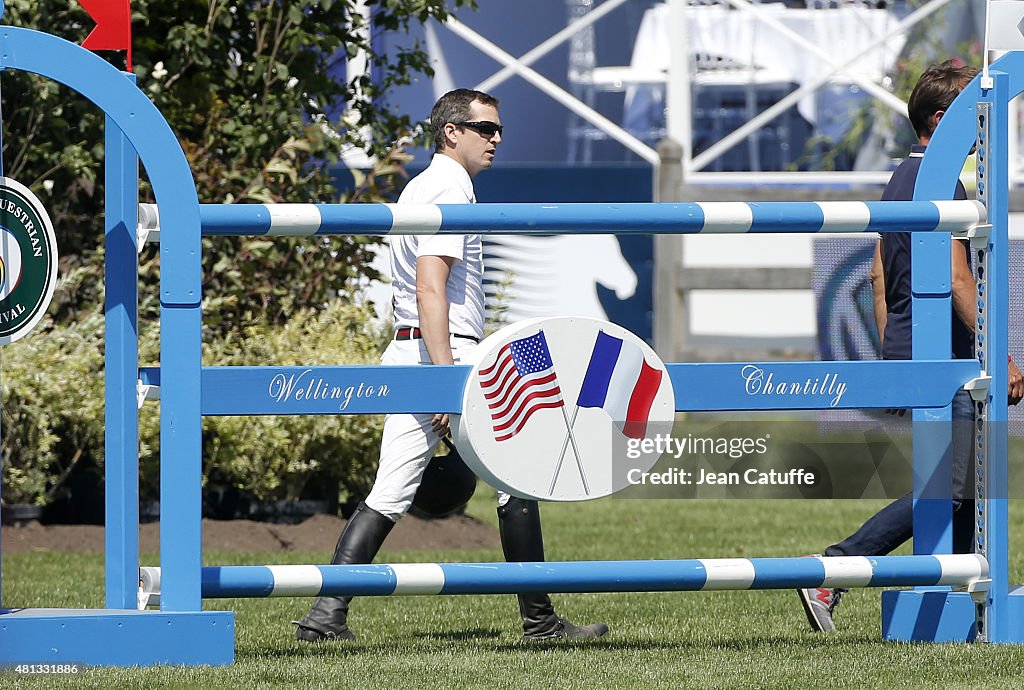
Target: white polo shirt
column 444, row 181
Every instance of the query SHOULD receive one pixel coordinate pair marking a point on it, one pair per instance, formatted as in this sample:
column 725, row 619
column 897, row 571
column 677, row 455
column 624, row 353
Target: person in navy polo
column 934, row 92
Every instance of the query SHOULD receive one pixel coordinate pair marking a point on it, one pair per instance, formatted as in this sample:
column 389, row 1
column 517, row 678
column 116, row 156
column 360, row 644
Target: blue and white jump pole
column 303, row 220
column 962, row 571
column 182, row 633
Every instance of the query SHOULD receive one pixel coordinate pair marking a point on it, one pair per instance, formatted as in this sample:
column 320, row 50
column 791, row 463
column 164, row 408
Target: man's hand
column 440, row 424
column 1016, row 384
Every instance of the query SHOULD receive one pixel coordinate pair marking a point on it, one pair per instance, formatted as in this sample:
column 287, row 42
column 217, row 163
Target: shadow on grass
column 475, row 638
column 612, row 642
column 460, row 635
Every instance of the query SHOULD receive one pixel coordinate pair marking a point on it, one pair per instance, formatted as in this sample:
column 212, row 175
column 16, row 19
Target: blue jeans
column 891, row 526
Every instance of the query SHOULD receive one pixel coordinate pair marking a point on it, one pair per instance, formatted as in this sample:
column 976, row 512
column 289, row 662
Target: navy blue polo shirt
column 896, row 249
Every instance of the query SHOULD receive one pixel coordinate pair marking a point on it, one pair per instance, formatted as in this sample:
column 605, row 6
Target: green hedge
column 52, row 387
column 281, row 457
column 52, row 407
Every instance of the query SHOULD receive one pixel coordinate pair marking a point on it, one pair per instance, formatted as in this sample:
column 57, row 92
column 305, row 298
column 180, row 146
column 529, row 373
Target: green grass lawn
column 657, row 640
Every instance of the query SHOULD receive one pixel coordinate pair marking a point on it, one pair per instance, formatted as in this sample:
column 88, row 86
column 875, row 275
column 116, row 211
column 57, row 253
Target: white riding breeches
column 408, row 442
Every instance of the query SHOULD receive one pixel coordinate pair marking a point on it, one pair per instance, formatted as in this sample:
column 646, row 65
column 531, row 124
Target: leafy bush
column 52, row 407
column 52, row 387
column 287, row 457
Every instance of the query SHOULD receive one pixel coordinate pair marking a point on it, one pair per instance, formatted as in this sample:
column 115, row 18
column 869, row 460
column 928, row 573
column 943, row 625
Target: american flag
column 520, row 381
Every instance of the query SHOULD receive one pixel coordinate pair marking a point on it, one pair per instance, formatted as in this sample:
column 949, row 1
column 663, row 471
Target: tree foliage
column 255, row 92
column 252, row 90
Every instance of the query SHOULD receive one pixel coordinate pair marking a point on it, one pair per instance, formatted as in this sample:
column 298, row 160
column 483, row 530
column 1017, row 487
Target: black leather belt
column 413, row 333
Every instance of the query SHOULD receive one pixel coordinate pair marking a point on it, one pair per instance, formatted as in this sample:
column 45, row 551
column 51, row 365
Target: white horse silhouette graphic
column 551, row 276
column 556, row 276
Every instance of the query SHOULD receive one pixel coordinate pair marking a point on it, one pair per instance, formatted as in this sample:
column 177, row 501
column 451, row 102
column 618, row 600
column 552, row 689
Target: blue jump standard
column 943, row 616
column 111, row 637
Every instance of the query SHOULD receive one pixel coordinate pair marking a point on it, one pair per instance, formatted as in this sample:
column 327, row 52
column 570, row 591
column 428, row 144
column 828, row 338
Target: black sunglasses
column 485, row 127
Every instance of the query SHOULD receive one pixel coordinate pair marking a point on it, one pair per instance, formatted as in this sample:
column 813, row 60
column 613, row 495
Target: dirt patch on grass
column 318, row 533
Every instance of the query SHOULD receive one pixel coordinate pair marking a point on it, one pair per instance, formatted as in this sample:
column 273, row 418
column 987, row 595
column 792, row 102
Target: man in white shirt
column 439, row 314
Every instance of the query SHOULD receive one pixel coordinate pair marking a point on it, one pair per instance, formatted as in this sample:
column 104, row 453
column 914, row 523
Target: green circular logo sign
column 28, row 260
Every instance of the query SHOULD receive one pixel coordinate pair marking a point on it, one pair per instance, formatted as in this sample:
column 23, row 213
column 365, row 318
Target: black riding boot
column 522, row 542
column 359, row 543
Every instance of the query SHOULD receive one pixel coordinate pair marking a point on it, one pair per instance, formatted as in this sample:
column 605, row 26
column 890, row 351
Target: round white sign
column 558, row 409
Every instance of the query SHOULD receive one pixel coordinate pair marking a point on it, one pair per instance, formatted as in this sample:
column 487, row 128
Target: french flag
column 620, row 382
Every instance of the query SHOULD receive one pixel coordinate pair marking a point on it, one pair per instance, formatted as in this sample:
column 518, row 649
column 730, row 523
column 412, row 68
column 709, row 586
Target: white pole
column 986, row 80
column 360, row 23
column 679, row 116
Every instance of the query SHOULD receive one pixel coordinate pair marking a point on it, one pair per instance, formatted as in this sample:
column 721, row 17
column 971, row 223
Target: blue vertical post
column 181, row 471
column 183, row 633
column 994, row 482
column 931, row 290
column 181, row 475
column 121, row 460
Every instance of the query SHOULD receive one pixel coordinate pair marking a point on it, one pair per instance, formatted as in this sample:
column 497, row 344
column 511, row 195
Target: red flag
column 113, row 26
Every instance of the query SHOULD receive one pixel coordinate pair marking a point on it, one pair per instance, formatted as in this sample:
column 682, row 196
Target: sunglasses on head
column 485, row 127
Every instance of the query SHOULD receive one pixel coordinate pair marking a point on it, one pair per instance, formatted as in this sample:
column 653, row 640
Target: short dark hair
column 936, row 90
column 454, row 107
